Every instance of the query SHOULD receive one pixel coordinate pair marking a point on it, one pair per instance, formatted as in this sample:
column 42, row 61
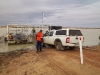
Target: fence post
column 81, row 51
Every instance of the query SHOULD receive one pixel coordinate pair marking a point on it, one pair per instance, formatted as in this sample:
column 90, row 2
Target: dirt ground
column 51, row 62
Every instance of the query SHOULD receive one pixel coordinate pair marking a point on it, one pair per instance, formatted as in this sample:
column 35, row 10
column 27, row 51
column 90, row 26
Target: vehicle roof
column 66, row 29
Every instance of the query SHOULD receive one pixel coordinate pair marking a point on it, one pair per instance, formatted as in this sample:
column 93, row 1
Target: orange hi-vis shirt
column 39, row 36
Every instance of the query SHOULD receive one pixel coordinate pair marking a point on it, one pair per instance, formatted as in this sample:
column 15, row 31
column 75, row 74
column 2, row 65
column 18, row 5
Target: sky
column 68, row 13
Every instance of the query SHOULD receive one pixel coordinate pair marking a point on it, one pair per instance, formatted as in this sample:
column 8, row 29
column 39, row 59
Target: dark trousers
column 38, row 46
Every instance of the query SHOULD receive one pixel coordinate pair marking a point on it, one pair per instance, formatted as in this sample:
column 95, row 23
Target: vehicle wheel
column 59, row 46
column 25, row 41
column 15, row 42
column 71, row 48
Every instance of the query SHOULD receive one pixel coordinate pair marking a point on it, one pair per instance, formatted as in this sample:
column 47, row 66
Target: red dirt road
column 51, row 62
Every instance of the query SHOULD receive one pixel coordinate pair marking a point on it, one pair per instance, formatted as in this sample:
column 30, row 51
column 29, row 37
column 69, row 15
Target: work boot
column 41, row 51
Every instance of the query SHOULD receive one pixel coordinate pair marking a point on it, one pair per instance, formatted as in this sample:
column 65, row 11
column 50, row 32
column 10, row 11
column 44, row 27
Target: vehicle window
column 51, row 34
column 75, row 32
column 55, row 27
column 61, row 32
column 47, row 33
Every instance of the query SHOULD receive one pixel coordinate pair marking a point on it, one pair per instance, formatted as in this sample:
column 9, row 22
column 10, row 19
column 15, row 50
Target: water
column 4, row 47
column 91, row 38
column 21, row 46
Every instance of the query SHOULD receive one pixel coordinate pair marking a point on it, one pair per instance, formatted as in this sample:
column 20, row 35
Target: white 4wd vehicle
column 63, row 38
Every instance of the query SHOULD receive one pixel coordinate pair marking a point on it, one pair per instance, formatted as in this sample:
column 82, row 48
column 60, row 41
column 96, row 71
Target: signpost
column 81, row 52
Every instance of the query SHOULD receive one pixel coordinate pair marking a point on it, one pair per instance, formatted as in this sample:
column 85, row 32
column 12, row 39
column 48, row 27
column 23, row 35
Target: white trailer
column 20, row 33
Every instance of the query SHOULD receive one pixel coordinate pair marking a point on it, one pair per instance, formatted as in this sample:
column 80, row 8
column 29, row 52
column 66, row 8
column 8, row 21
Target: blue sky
column 71, row 13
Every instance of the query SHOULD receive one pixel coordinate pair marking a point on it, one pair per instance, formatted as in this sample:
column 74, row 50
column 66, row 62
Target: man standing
column 33, row 30
column 34, row 34
column 39, row 41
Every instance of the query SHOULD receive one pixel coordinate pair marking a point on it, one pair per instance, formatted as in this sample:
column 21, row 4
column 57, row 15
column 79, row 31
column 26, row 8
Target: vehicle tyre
column 59, row 46
column 25, row 41
column 72, row 48
column 15, row 42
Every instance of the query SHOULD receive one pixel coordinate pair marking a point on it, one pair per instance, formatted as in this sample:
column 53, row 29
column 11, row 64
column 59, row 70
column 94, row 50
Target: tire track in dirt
column 51, row 53
column 68, row 60
column 58, row 65
column 89, row 57
column 41, row 56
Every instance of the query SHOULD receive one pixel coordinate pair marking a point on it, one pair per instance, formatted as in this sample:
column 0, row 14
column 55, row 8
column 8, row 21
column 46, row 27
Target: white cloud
column 77, row 13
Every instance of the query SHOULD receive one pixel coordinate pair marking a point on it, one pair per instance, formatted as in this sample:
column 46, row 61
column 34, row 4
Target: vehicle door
column 61, row 35
column 48, row 37
column 51, row 38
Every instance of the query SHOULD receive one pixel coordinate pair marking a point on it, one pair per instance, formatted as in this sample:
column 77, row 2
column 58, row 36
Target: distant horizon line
column 40, row 26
